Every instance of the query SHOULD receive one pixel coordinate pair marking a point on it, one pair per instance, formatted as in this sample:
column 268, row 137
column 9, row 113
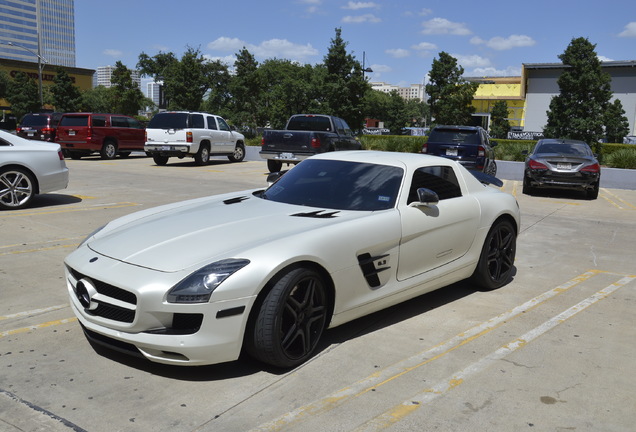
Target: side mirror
column 426, row 197
column 273, row 177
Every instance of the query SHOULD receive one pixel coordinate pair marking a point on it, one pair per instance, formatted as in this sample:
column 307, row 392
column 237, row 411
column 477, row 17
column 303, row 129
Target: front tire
column 17, row 188
column 290, row 320
column 239, row 153
column 496, row 262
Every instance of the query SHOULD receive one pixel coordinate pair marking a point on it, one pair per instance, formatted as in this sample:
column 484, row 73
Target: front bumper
column 138, row 320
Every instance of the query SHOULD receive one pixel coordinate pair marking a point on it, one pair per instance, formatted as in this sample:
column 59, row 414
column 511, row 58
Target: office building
column 104, row 75
column 32, row 27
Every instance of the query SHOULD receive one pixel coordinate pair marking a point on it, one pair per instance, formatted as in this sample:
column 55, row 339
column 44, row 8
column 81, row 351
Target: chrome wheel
column 16, row 189
column 238, row 155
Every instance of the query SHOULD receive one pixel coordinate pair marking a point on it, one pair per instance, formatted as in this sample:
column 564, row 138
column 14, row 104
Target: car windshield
column 169, row 121
column 575, row 149
column 454, row 136
column 338, row 185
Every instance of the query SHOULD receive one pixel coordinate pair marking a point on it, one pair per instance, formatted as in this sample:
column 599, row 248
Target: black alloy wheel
column 496, row 262
column 291, row 319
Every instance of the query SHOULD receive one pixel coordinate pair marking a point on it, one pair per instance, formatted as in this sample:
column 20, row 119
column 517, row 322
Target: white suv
column 194, row 134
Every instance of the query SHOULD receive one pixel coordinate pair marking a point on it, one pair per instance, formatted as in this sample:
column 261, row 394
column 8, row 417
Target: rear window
column 74, row 121
column 34, row 120
column 454, row 136
column 310, row 123
column 169, row 121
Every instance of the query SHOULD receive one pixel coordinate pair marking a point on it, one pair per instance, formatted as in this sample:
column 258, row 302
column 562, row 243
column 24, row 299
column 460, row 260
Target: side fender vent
column 235, row 200
column 319, row 214
column 369, row 269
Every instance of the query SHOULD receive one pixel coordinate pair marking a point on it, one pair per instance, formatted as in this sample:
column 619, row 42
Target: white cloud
column 398, row 52
column 491, row 71
column 425, row 46
column 361, row 5
column 425, row 12
column 279, row 48
column 472, row 61
column 112, row 52
column 444, row 26
column 604, row 59
column 361, row 19
column 499, row 43
column 630, row 30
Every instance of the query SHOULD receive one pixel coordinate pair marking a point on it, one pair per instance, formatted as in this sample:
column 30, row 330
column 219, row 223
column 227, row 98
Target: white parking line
column 400, row 411
column 403, row 367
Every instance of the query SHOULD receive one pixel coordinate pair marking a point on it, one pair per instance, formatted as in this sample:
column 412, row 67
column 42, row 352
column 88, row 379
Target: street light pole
column 40, row 65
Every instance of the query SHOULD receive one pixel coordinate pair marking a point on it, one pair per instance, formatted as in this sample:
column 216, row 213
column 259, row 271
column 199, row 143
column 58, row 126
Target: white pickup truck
column 194, row 134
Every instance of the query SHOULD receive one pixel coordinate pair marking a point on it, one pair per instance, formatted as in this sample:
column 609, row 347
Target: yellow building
column 493, row 89
column 83, row 78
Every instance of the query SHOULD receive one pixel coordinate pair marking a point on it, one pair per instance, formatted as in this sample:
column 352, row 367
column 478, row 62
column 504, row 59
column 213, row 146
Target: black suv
column 39, row 126
column 468, row 145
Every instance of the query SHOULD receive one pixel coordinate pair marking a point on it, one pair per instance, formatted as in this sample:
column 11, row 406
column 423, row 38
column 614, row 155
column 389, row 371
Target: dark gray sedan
column 562, row 164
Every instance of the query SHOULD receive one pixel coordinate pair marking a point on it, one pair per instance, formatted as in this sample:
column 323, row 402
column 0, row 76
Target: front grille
column 105, row 309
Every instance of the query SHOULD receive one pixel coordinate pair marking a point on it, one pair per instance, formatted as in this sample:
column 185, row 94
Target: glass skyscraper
column 21, row 21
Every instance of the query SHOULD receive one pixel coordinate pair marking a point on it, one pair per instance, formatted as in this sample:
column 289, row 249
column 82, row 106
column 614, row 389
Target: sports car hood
column 202, row 231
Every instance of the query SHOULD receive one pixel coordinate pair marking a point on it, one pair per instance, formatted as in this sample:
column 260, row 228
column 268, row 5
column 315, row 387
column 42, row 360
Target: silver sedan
column 28, row 168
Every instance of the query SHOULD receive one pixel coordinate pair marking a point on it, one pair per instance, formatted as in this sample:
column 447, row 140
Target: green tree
column 418, row 112
column 185, row 81
column 65, row 96
column 578, row 111
column 344, row 84
column 23, row 95
column 616, row 123
column 97, row 99
column 5, row 81
column 127, row 97
column 245, row 88
column 499, row 124
column 450, row 95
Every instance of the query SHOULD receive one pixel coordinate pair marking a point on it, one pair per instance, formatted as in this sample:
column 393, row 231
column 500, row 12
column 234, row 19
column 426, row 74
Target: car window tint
column 309, row 123
column 440, row 179
column 211, row 123
column 34, row 120
column 98, row 121
column 169, row 121
column 339, row 126
column 4, row 143
column 74, row 121
column 338, row 185
column 223, row 125
column 119, row 122
column 454, row 136
column 197, row 121
column 132, row 123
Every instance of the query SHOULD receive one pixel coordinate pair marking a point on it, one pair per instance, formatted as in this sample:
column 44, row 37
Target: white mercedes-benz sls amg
column 338, row 236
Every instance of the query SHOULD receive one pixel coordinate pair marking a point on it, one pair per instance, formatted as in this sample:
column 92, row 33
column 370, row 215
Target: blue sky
column 399, row 39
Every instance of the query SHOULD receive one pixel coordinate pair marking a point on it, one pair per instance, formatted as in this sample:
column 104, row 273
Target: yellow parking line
column 37, row 326
column 618, row 199
column 71, row 210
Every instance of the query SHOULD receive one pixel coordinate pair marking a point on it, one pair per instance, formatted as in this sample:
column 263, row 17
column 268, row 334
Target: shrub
column 621, row 158
column 394, row 143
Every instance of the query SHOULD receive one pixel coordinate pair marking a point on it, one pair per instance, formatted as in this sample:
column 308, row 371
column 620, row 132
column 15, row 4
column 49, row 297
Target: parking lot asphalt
column 553, row 350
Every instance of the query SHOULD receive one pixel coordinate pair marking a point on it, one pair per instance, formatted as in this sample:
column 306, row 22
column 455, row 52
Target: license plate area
column 451, row 152
column 564, row 166
column 286, row 156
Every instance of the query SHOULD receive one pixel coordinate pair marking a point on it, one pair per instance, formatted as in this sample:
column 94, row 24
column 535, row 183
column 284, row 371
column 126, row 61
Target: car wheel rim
column 238, row 153
column 205, row 156
column 303, row 318
column 110, row 151
column 501, row 253
column 15, row 188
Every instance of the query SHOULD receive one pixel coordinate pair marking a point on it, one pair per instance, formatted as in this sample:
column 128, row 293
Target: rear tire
column 274, row 165
column 290, row 320
column 203, row 155
column 160, row 160
column 109, row 150
column 496, row 262
column 592, row 194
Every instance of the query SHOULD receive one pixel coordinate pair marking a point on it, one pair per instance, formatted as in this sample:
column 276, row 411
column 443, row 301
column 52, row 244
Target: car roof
column 559, row 141
column 411, row 160
column 459, row 127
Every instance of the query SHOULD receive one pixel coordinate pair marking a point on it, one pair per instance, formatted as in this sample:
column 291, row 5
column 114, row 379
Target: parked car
column 194, row 134
column 304, row 136
column 562, row 164
column 39, row 126
column 339, row 236
column 469, row 145
column 631, row 139
column 28, row 168
column 81, row 134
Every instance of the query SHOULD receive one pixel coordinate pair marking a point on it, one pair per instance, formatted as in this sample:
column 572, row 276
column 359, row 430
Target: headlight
column 198, row 287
